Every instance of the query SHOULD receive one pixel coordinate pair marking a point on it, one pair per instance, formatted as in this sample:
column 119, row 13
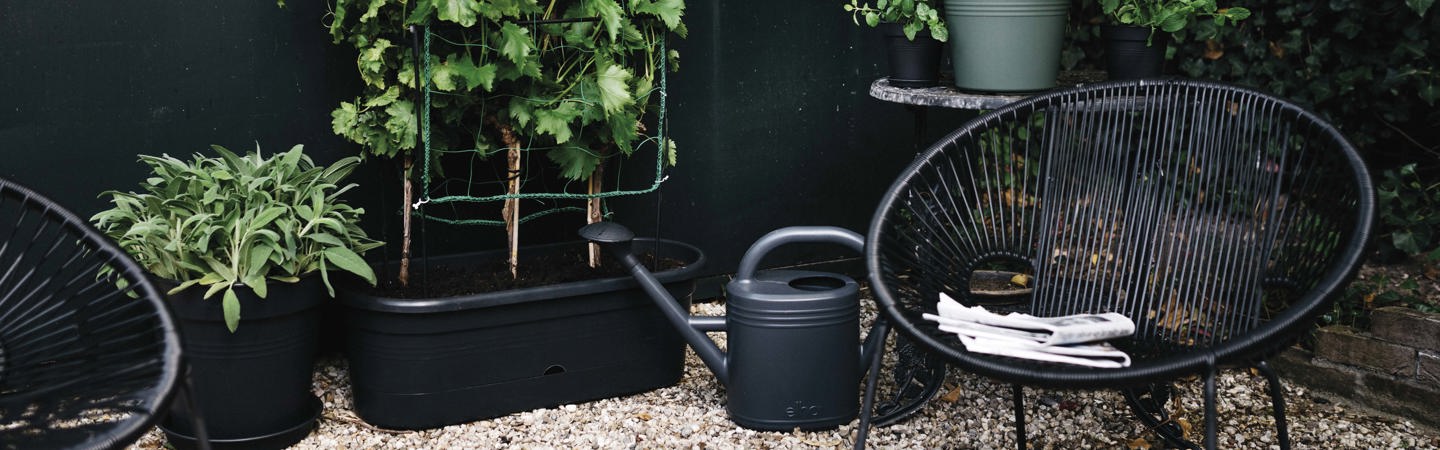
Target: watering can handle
column 790, row 235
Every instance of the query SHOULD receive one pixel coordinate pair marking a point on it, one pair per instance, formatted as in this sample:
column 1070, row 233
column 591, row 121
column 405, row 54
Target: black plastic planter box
column 427, row 363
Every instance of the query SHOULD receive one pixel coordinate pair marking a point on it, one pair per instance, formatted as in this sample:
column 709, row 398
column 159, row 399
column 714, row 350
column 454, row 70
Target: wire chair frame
column 1221, row 219
column 89, row 354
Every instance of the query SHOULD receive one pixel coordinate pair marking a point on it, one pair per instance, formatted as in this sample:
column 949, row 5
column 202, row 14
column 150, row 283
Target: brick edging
column 1393, row 368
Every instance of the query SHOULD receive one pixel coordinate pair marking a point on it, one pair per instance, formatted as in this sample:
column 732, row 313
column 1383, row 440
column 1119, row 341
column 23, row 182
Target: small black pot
column 1127, row 55
column 913, row 64
column 253, row 385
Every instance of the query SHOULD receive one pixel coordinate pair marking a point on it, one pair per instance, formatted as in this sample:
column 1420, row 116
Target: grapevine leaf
column 614, row 90
column 391, row 94
column 622, row 133
column 372, row 62
column 442, row 76
column 556, row 122
column 669, row 11
column 372, row 10
column 482, row 76
column 458, row 11
column 402, row 124
column 343, row 118
column 611, row 16
column 518, row 44
column 576, row 163
column 423, row 10
column 522, row 112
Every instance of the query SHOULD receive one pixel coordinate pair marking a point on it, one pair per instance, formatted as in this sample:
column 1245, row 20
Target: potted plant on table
column 1136, row 37
column 1005, row 45
column 563, row 81
column 248, row 246
column 914, row 35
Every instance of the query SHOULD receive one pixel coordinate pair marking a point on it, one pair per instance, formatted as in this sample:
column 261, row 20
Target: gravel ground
column 970, row 412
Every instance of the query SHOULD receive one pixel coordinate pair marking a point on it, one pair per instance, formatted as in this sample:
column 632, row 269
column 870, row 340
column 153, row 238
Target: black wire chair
column 89, row 355
column 1220, row 219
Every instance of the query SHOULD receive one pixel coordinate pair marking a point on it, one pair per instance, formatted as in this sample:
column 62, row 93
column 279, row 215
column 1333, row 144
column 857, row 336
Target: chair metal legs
column 1148, row 404
column 1017, row 394
column 918, row 376
column 197, row 420
column 871, row 375
column 1211, row 421
column 1277, row 404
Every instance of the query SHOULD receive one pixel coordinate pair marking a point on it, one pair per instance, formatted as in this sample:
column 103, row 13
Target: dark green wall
column 770, row 110
column 85, row 86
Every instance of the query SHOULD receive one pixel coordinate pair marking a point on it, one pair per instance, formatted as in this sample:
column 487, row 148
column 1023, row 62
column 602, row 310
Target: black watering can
column 795, row 356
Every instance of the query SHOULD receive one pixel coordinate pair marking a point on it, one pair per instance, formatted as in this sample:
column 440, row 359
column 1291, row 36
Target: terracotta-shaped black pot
column 253, row 385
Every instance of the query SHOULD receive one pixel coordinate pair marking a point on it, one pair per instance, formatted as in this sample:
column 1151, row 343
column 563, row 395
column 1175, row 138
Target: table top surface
column 948, row 96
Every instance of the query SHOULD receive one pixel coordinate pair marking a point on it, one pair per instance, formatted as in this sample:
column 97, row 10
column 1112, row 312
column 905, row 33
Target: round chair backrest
column 89, row 354
column 1220, row 219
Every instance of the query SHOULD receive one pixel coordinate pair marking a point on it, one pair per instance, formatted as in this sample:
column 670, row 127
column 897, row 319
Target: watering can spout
column 616, row 238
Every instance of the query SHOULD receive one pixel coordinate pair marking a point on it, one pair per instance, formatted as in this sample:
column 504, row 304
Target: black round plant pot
column 1131, row 52
column 252, row 386
column 913, row 64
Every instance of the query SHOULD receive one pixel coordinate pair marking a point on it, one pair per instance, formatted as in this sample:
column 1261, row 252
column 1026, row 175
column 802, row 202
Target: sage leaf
column 346, row 260
column 230, row 305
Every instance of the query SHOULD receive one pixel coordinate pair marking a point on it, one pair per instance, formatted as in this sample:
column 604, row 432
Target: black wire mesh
column 1220, row 219
column 88, row 353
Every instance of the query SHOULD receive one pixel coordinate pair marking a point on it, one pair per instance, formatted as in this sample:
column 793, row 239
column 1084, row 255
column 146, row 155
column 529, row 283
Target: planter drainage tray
column 427, row 363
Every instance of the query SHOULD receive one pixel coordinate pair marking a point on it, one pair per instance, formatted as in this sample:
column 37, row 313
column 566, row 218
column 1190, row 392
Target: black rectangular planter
column 427, row 363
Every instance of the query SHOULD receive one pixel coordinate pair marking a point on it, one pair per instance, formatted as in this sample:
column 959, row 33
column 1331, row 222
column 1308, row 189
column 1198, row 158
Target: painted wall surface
column 770, row 109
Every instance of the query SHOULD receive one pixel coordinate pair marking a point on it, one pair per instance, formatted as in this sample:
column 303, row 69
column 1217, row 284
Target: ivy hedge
column 1371, row 66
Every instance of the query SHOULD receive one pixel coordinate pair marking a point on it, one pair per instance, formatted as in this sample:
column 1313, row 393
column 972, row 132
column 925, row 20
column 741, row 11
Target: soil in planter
column 992, row 285
column 445, row 280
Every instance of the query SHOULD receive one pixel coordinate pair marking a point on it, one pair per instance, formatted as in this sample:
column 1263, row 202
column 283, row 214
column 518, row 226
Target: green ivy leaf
column 1420, row 6
column 1405, row 241
column 1430, row 93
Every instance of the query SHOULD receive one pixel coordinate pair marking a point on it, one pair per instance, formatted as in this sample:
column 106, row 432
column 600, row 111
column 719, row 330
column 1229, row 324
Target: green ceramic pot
column 1006, row 45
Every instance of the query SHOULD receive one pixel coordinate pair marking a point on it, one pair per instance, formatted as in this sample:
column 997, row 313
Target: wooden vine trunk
column 592, row 209
column 407, row 197
column 511, row 210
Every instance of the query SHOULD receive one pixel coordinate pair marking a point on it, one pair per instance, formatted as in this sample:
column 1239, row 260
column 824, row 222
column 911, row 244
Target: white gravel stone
column 692, row 415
